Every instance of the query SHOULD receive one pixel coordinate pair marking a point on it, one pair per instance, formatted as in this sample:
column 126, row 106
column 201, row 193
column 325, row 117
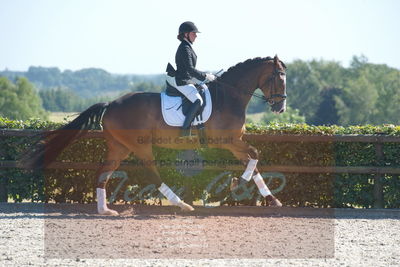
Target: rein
column 269, row 100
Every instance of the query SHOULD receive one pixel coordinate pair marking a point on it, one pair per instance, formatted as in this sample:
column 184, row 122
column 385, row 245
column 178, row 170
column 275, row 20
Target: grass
column 62, row 116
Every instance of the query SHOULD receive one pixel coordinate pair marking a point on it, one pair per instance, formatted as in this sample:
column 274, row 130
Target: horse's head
column 272, row 83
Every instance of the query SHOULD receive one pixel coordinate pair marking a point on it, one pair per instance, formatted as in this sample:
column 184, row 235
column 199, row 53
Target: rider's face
column 192, row 36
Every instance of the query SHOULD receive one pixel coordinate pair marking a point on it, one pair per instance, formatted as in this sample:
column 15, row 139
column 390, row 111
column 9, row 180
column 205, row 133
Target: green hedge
column 316, row 190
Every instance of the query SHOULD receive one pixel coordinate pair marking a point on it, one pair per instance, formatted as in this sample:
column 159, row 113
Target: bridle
column 270, row 100
column 272, row 81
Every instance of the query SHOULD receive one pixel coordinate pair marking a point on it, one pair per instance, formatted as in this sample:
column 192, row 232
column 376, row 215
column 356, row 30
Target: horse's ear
column 276, row 60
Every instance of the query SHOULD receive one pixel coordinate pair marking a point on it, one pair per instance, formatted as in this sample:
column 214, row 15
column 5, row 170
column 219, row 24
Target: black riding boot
column 189, row 118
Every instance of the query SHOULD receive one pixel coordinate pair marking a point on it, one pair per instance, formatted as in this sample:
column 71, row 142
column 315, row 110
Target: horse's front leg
column 249, row 156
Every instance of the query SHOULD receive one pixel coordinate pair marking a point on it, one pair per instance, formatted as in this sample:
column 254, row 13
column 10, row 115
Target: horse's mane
column 218, row 94
column 243, row 66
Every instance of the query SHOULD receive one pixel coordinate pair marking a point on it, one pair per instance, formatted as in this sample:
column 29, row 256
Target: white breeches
column 191, row 92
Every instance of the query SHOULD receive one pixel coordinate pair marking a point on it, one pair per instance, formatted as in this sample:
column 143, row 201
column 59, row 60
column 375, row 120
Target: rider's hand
column 210, row 77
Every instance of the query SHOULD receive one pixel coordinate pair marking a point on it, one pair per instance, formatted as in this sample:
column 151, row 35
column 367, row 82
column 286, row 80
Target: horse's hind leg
column 145, row 153
column 115, row 154
column 249, row 154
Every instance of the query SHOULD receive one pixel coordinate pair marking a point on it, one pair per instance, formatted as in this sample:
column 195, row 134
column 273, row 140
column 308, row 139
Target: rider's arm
column 187, row 60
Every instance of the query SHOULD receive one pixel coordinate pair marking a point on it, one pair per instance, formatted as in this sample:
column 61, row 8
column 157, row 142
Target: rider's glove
column 210, row 77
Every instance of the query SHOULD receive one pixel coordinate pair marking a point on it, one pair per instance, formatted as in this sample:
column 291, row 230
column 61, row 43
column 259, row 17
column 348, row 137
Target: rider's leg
column 193, row 95
column 189, row 117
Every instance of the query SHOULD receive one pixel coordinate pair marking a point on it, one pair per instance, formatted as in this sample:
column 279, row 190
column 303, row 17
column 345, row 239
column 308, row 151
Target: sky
column 139, row 36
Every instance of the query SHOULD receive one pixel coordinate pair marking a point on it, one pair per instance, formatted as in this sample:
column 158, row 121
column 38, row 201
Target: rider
column 186, row 72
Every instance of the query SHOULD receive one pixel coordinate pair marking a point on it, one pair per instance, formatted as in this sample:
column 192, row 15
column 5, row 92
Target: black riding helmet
column 188, row 26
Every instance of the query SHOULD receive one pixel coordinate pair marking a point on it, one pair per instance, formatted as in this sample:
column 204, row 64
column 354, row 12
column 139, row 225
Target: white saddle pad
column 172, row 110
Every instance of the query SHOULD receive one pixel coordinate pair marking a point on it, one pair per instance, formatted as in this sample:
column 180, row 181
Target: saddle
column 173, row 92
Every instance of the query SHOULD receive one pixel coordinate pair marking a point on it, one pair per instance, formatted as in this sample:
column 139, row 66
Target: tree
column 145, row 87
column 61, row 99
column 303, row 87
column 20, row 100
column 306, row 81
column 371, row 95
column 358, row 102
column 289, row 116
column 44, row 77
column 327, row 113
column 388, row 97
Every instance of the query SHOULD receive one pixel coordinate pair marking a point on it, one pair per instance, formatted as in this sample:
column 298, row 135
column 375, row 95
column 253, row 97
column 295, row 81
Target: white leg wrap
column 262, row 187
column 248, row 173
column 101, row 199
column 169, row 194
column 102, row 205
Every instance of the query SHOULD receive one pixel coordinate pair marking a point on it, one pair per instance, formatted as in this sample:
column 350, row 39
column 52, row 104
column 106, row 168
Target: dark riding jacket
column 185, row 60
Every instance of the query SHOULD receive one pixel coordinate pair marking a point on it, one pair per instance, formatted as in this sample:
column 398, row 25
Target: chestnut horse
column 135, row 117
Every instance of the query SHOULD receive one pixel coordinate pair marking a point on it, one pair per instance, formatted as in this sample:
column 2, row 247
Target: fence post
column 3, row 187
column 378, row 186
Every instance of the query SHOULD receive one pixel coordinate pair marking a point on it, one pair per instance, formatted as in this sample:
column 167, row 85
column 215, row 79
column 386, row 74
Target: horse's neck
column 238, row 92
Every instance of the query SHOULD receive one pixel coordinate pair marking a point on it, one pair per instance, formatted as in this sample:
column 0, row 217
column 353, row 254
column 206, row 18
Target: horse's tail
column 46, row 151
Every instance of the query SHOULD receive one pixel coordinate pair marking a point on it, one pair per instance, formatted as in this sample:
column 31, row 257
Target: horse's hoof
column 275, row 202
column 185, row 207
column 108, row 212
